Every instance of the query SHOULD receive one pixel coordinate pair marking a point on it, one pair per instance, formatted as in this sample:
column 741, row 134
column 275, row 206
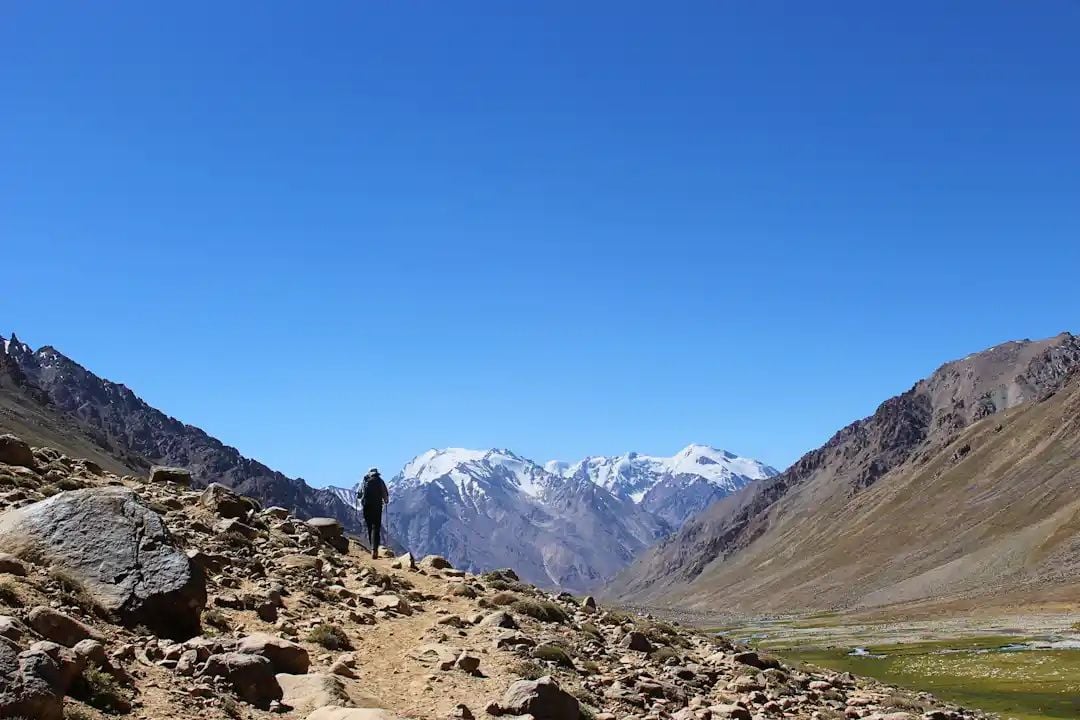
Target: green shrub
column 553, row 653
column 76, row 712
column 70, row 483
column 216, row 619
column 591, row 666
column 73, row 592
column 504, row 598
column 528, row 670
column 9, row 595
column 617, row 617
column 498, row 584
column 103, row 692
column 542, row 610
column 592, row 631
column 329, row 636
column 663, row 654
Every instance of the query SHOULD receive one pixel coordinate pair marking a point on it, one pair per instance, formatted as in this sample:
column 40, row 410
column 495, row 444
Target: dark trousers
column 373, row 520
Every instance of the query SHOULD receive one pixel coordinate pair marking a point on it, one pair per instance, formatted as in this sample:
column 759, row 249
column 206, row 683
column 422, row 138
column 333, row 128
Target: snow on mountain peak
column 634, row 475
column 476, row 468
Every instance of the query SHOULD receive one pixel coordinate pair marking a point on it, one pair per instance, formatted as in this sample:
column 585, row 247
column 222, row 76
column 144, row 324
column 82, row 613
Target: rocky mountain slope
column 203, row 604
column 561, row 525
column 963, row 486
column 672, row 488
column 128, row 431
column 495, row 509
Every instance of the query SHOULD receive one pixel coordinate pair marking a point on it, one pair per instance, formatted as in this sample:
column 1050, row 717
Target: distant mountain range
column 568, row 525
column 49, row 399
column 959, row 493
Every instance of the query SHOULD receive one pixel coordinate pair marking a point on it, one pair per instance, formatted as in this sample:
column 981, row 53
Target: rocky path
column 144, row 598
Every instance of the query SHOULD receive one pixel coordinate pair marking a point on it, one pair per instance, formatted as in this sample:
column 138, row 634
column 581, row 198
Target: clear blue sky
column 338, row 234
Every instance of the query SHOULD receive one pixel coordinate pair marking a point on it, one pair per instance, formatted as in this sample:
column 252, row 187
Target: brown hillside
column 964, row 486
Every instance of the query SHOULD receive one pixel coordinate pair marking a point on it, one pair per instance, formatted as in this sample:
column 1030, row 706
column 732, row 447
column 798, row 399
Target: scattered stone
column 589, row 604
column 306, row 693
column 500, row 618
column 543, row 699
column 13, row 451
column 58, row 627
column 224, row 502
column 11, row 565
column 392, row 602
column 174, row 475
column 752, row 659
column 443, row 657
column 331, row 712
column 330, row 531
column 302, row 562
column 27, row 685
column 436, row 562
column 286, row 656
column 635, row 640
column 251, row 676
column 12, row 628
column 404, row 562
column 730, row 712
column 468, row 663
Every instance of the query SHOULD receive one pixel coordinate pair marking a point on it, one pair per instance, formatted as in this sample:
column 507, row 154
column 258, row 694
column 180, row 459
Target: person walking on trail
column 374, row 496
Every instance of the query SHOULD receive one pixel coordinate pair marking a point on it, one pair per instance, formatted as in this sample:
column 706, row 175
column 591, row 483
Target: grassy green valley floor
column 957, row 658
column 1025, row 685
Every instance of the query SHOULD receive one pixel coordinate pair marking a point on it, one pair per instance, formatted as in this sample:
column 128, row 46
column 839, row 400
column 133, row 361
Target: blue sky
column 336, row 235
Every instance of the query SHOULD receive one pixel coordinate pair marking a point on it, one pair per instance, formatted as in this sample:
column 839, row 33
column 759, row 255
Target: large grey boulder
column 543, row 699
column 120, row 551
column 14, row 451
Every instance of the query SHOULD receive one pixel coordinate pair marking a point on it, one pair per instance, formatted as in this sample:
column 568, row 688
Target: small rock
column 174, row 475
column 634, row 640
column 251, row 676
column 58, row 627
column 286, row 656
column 13, row 451
column 11, row 565
column 468, row 663
column 543, row 699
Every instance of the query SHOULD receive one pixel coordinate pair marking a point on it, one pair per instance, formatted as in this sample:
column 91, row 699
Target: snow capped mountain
column 489, row 509
column 568, row 525
column 672, row 487
column 472, row 471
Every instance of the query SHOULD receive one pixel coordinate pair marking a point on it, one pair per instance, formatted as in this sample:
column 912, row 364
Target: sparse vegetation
column 592, row 631
column 76, row 712
column 528, row 670
column 591, row 666
column 103, row 692
column 554, row 654
column 9, row 595
column 216, row 619
column 73, row 592
column 617, row 617
column 542, row 610
column 230, row 706
column 504, row 598
column 329, row 636
column 663, row 654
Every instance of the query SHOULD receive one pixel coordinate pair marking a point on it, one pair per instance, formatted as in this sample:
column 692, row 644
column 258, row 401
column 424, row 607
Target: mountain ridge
column 135, row 433
column 494, row 508
column 759, row 544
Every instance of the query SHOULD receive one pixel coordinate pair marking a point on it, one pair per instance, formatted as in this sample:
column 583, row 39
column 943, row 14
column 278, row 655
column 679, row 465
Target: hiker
column 373, row 498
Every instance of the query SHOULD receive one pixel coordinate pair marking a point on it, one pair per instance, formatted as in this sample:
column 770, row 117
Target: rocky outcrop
column 543, row 699
column 107, row 540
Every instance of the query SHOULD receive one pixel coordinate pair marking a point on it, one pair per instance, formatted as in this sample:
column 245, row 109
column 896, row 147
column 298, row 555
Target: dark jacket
column 373, row 493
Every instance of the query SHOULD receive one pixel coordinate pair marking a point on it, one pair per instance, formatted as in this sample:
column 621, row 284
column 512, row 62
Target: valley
column 1023, row 666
